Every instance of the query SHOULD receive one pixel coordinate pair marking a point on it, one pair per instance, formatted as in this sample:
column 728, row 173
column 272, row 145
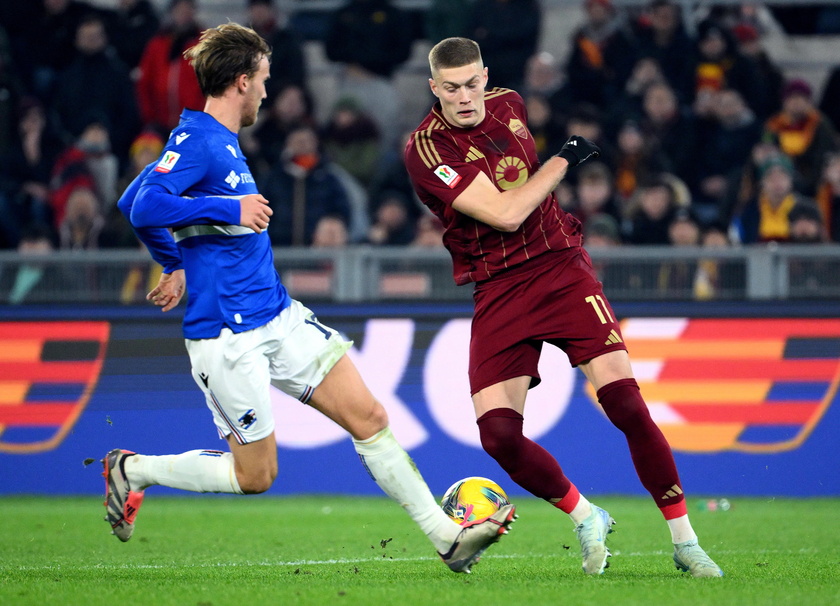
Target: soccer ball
column 473, row 499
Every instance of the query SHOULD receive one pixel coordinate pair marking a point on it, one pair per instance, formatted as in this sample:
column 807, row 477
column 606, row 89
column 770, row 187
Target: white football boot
column 592, row 534
column 476, row 537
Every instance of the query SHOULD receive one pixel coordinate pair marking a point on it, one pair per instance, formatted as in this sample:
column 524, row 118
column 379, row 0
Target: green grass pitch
column 217, row 551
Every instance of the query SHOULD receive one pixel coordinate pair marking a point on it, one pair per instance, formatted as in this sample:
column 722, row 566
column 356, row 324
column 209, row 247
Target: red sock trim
column 674, row 511
column 570, row 501
column 505, row 413
column 606, row 389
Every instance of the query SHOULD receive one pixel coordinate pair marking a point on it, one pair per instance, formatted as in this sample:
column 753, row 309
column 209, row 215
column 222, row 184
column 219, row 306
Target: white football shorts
column 293, row 352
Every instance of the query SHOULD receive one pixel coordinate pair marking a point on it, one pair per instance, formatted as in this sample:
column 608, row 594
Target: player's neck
column 224, row 112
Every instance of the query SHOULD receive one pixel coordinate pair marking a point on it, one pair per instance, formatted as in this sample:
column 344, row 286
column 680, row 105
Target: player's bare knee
column 256, row 485
column 378, row 417
column 257, row 481
column 367, row 424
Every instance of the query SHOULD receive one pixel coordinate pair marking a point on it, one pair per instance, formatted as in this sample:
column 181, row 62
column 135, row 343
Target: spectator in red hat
column 804, row 133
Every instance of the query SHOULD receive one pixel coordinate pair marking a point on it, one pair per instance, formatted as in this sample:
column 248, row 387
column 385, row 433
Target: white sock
column 395, row 473
column 581, row 511
column 196, row 470
column 681, row 530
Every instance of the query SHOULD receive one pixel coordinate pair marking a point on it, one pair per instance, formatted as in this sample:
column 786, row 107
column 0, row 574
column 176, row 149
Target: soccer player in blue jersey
column 243, row 332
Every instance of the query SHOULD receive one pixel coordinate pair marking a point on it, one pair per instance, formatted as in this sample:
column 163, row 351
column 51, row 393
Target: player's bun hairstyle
column 223, row 54
column 454, row 52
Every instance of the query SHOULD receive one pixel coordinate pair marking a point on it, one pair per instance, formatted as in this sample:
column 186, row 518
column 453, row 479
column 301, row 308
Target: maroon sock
column 528, row 464
column 623, row 403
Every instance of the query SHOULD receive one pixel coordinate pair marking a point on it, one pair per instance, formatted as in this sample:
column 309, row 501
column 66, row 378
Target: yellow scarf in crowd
column 773, row 221
column 795, row 137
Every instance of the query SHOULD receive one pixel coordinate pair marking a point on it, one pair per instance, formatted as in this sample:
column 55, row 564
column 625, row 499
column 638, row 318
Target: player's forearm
column 518, row 203
column 157, row 239
column 161, row 246
column 155, row 207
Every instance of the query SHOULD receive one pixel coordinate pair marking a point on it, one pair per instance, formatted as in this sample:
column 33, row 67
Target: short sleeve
column 436, row 166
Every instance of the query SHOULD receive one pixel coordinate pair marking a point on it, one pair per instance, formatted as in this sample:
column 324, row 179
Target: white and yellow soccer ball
column 473, row 499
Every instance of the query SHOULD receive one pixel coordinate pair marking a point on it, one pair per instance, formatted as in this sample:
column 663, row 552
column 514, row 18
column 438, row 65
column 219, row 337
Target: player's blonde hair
column 223, row 54
column 454, row 52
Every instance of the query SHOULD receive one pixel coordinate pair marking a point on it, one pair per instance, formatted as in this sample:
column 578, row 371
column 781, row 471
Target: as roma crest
column 518, row 128
column 746, row 385
column 48, row 371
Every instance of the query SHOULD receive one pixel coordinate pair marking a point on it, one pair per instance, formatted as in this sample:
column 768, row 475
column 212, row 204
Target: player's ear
column 242, row 82
column 433, row 86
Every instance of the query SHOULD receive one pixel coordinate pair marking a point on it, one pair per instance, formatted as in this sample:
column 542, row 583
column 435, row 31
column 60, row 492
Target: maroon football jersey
column 442, row 160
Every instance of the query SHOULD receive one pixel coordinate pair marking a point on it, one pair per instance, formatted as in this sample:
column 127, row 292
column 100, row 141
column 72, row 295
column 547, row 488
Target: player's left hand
column 167, row 294
column 578, row 149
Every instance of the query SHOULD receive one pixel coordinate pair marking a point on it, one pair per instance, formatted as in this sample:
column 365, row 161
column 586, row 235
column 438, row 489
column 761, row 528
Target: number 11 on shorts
column 597, row 303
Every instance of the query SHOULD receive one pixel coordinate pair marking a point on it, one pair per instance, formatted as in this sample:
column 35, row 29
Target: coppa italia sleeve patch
column 447, row 175
column 167, row 162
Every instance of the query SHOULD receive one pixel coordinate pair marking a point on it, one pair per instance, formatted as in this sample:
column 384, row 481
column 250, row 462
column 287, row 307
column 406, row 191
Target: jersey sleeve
column 162, row 199
column 436, row 166
column 183, row 163
column 158, row 240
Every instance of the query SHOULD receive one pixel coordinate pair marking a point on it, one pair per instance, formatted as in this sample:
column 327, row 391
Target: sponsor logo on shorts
column 447, row 175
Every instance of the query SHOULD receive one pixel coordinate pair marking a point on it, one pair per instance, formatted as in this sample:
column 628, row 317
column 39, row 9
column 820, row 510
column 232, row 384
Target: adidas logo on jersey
column 474, row 154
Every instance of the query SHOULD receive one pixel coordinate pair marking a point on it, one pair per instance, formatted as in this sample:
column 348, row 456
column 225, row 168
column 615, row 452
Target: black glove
column 577, row 150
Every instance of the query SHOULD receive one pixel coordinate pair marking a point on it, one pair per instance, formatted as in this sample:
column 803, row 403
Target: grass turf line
column 216, row 551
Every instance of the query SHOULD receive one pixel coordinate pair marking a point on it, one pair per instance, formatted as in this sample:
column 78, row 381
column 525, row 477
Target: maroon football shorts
column 554, row 298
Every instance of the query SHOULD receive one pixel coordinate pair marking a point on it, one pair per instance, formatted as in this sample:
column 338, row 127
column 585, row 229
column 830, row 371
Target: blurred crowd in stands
column 705, row 140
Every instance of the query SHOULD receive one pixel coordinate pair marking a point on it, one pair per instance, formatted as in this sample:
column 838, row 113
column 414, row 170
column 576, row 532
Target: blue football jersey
column 231, row 279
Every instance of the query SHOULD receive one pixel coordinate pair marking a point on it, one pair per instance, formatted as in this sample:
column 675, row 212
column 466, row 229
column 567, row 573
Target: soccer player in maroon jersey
column 473, row 163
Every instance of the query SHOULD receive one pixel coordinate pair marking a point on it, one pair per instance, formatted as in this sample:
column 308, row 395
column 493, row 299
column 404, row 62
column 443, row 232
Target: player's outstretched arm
column 169, row 291
column 506, row 210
